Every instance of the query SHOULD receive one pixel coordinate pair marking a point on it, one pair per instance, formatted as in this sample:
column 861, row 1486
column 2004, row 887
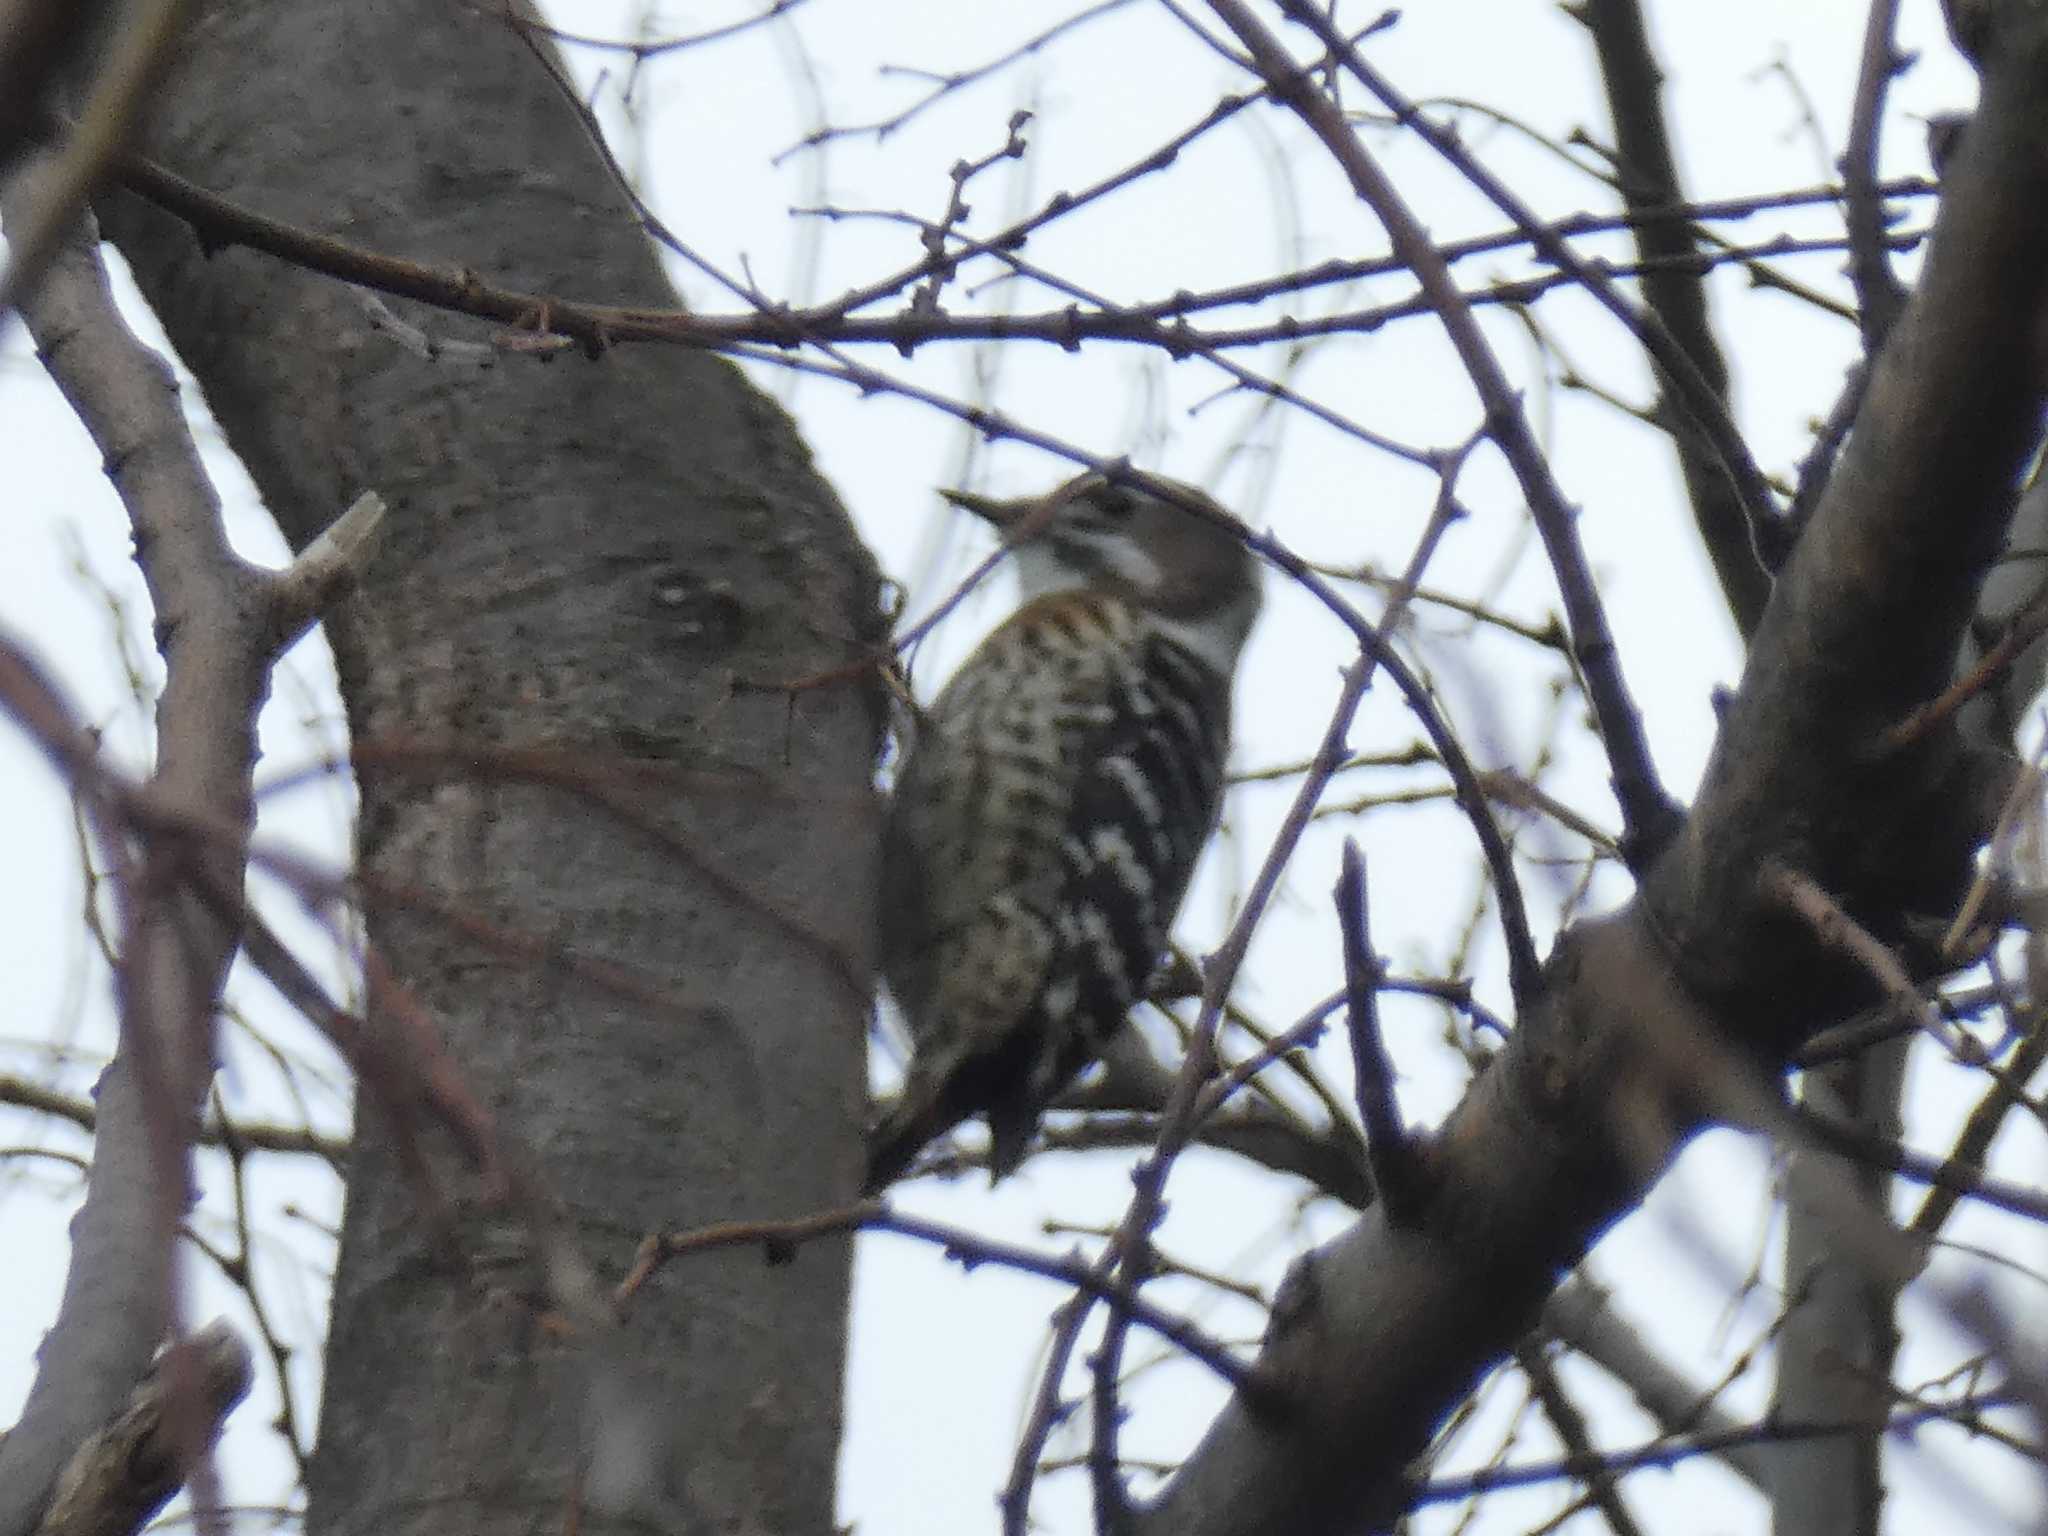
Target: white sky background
column 944, row 1361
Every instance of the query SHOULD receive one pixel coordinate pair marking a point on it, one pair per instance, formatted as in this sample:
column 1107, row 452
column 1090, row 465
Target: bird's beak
column 1005, row 516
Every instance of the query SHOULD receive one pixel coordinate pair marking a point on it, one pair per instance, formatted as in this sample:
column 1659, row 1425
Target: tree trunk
column 601, row 561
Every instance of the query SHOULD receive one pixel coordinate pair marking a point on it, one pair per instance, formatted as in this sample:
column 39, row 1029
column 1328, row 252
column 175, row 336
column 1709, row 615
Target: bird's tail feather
column 914, row 1120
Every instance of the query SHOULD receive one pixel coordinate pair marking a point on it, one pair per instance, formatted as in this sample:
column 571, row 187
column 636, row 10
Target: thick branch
column 1381, row 1332
column 117, row 1299
column 1839, row 1337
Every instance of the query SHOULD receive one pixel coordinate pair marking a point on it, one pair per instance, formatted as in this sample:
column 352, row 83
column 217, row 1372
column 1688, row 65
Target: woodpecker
column 1048, row 816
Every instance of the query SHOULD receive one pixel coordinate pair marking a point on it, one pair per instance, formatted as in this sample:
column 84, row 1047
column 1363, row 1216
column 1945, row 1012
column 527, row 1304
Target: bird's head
column 1178, row 557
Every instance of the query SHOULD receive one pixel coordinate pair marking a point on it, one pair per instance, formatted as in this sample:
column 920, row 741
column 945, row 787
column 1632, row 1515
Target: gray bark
column 599, row 558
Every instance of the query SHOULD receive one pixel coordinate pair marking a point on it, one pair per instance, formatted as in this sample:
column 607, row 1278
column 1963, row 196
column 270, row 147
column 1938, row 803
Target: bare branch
column 1380, row 1332
column 1672, row 360
column 1877, row 288
column 326, row 568
column 1581, row 1315
column 258, row 1135
column 1397, row 1169
column 1670, row 1452
column 214, row 627
column 1603, row 1490
column 1981, row 1128
column 1648, row 814
column 1647, row 172
column 119, row 1298
column 779, row 1239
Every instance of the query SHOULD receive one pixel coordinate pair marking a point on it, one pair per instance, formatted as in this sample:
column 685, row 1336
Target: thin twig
column 1397, row 1170
column 1649, row 815
column 778, row 1240
column 2022, row 630
column 1603, row 1490
column 256, row 1136
column 1692, row 392
column 1674, row 1449
column 1980, row 1128
column 1818, row 467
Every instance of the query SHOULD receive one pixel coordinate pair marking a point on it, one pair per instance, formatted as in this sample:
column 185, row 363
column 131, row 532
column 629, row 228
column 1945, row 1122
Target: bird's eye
column 1115, row 502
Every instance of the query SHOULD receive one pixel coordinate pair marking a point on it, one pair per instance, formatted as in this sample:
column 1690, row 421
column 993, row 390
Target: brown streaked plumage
column 1048, row 817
